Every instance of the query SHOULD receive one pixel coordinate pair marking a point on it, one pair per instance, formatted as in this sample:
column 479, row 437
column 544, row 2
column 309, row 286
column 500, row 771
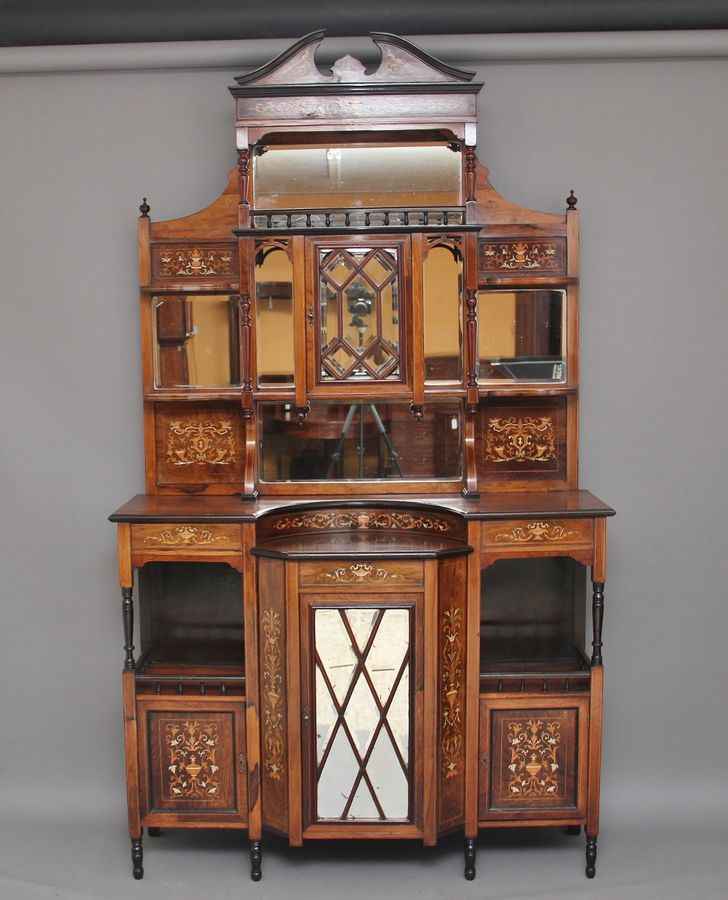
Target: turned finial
column 144, row 208
column 571, row 202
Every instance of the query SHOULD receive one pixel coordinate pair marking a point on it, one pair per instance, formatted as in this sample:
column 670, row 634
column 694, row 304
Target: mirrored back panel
column 196, row 340
column 344, row 175
column 359, row 442
column 274, row 315
column 522, row 335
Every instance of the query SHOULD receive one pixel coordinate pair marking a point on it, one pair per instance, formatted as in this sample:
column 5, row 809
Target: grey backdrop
column 643, row 144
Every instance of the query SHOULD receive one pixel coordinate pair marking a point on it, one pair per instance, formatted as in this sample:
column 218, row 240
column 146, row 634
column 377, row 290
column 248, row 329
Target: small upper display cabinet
column 361, row 555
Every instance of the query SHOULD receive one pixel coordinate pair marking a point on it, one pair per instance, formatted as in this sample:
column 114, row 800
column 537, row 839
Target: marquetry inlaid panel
column 358, row 109
column 273, row 693
column 198, row 443
column 522, row 257
column 185, row 537
column 534, row 757
column 520, row 534
column 360, row 573
column 521, row 440
column 192, row 758
column 451, row 690
column 205, row 263
column 391, row 520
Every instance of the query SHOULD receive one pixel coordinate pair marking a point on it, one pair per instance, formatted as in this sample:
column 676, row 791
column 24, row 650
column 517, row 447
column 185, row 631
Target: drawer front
column 182, row 537
column 361, row 573
column 537, row 534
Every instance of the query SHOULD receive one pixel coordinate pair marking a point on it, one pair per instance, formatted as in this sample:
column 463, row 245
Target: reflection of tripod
column 336, row 455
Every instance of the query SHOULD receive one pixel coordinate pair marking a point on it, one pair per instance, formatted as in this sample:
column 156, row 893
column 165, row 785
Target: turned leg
column 591, row 856
column 573, row 829
column 256, row 858
column 137, row 855
column 469, row 859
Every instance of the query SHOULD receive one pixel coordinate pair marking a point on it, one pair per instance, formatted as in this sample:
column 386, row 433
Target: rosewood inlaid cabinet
column 358, row 575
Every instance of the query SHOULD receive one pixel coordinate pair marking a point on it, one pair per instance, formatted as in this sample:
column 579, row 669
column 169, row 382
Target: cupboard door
column 360, row 333
column 361, row 678
column 192, row 759
column 533, row 757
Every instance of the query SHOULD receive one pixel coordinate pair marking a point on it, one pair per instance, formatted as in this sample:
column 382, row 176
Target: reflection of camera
column 360, row 306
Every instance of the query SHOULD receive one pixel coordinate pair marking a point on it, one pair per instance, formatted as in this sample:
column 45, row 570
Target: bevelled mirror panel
column 522, row 335
column 274, row 316
column 196, row 341
column 360, row 441
column 316, row 177
column 442, row 277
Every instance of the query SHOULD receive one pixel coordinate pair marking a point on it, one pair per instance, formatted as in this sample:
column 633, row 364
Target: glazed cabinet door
column 359, row 326
column 192, row 761
column 361, row 712
column 533, row 755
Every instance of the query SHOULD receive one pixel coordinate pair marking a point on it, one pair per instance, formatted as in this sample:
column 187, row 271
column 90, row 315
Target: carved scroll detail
column 272, row 696
column 185, row 535
column 535, row 533
column 520, row 439
column 534, row 767
column 358, row 573
column 452, row 693
column 192, row 767
column 203, row 441
column 335, row 520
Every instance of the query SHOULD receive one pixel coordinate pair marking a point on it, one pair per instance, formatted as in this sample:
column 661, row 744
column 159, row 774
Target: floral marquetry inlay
column 535, row 533
column 185, row 535
column 525, row 256
column 202, row 441
column 534, row 767
column 374, row 520
column 272, row 695
column 452, row 693
column 193, row 262
column 193, row 769
column 520, row 439
column 358, row 573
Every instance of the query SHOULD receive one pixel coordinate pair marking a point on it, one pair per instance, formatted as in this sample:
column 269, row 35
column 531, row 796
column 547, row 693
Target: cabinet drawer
column 518, row 534
column 164, row 536
column 362, row 573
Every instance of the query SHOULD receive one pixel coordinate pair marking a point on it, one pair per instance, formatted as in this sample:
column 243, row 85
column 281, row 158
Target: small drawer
column 360, row 573
column 537, row 534
column 181, row 537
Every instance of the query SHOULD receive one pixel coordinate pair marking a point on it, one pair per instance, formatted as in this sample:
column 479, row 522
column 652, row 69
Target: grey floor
column 86, row 858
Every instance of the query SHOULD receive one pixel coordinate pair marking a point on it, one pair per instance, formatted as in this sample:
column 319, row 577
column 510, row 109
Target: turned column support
column 597, row 619
column 128, row 616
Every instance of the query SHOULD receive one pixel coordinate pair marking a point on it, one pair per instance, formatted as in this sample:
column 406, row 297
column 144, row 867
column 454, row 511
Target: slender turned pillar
column 256, row 859
column 137, row 854
column 128, row 613
column 591, row 856
column 597, row 619
column 469, row 859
